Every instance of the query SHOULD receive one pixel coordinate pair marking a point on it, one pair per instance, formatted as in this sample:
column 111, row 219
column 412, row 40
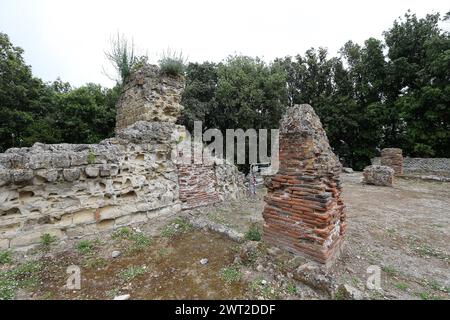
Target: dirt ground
column 403, row 230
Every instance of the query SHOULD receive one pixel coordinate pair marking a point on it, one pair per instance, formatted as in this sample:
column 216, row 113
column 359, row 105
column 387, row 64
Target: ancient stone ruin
column 71, row 191
column 149, row 96
column 393, row 157
column 378, row 175
column 304, row 211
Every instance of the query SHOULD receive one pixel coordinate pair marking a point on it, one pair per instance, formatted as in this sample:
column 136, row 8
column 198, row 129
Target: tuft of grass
column 231, row 274
column 390, row 270
column 5, row 257
column 291, row 289
column 95, row 262
column 84, row 246
column 177, row 226
column 173, row 63
column 401, row 286
column 139, row 241
column 47, row 240
column 131, row 272
column 253, row 233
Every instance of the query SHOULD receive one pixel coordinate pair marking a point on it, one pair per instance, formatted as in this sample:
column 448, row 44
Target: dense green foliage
column 32, row 111
column 390, row 92
column 393, row 92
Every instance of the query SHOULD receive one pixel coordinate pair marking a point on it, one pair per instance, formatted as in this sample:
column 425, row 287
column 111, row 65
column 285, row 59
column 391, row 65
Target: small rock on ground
column 122, row 297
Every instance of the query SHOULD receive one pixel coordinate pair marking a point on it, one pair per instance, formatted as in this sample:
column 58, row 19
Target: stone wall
column 71, row 191
column 76, row 190
column 423, row 167
column 304, row 211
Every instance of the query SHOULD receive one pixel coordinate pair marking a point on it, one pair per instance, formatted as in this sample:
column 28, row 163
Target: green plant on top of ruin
column 47, row 240
column 5, row 257
column 172, row 63
column 253, row 233
column 91, row 157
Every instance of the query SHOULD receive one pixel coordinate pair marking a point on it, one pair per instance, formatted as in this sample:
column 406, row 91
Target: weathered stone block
column 22, row 176
column 83, row 217
column 379, row 175
column 4, row 244
column 71, row 174
column 92, row 171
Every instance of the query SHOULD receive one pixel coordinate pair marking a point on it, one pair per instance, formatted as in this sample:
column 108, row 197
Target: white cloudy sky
column 67, row 38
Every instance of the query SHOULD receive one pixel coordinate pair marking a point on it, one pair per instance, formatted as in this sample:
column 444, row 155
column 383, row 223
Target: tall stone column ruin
column 304, row 210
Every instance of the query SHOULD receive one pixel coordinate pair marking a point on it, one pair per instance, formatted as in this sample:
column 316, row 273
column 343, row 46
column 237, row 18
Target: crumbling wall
column 304, row 210
column 149, row 95
column 71, row 191
column 75, row 190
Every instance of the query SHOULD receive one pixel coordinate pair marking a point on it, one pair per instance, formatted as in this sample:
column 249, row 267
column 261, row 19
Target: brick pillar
column 304, row 212
column 393, row 157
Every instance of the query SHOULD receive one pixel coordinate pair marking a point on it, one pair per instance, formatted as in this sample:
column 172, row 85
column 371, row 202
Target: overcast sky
column 67, row 38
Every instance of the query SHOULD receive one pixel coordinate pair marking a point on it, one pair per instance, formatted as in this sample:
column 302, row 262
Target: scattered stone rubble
column 393, row 157
column 304, row 211
column 378, row 175
column 70, row 191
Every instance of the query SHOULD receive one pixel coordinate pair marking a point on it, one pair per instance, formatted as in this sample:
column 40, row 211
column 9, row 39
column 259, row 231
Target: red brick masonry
column 197, row 185
column 304, row 212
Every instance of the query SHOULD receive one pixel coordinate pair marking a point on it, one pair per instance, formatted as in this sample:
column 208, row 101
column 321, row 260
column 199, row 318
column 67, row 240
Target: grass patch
column 401, row 286
column 47, row 240
column 139, row 241
column 390, row 270
column 22, row 276
column 132, row 272
column 84, row 246
column 291, row 289
column 176, row 227
column 231, row 274
column 262, row 288
column 427, row 251
column 5, row 257
column 253, row 233
column 95, row 262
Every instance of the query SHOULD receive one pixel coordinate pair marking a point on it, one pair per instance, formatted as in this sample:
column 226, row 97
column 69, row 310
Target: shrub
column 172, row 63
column 253, row 233
column 47, row 240
column 84, row 246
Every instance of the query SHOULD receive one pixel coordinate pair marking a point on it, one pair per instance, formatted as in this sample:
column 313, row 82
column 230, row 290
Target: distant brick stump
column 304, row 211
column 379, row 175
column 393, row 157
